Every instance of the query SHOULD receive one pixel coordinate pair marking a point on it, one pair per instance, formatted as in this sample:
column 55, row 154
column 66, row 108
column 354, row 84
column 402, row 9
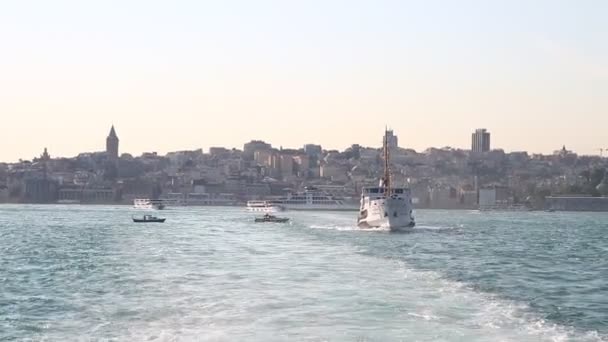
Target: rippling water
column 209, row 274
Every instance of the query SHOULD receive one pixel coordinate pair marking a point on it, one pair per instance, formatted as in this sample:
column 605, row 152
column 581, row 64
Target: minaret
column 45, row 156
column 112, row 144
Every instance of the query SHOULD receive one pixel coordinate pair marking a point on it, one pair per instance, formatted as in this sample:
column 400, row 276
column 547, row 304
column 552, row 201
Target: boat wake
column 349, row 228
column 425, row 304
column 440, row 229
column 494, row 316
column 406, row 230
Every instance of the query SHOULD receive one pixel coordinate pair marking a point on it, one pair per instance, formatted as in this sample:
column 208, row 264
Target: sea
column 88, row 273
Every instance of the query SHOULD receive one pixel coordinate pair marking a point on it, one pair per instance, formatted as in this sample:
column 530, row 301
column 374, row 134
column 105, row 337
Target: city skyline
column 188, row 74
column 112, row 147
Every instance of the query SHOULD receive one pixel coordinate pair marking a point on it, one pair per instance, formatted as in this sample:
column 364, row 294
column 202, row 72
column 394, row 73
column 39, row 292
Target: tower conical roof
column 112, row 133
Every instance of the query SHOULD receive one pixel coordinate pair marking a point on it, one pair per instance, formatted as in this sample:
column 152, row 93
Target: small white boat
column 264, row 207
column 149, row 204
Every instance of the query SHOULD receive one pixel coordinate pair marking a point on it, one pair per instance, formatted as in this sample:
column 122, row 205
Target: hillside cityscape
column 441, row 178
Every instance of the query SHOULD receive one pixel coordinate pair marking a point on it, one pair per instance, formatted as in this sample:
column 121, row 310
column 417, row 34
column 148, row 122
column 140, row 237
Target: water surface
column 209, row 274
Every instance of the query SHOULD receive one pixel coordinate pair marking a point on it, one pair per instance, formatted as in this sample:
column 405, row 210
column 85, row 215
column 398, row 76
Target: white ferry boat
column 313, row 199
column 199, row 199
column 386, row 206
column 149, row 204
column 264, row 207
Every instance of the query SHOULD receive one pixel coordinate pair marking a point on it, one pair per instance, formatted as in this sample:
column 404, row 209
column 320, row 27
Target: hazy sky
column 174, row 75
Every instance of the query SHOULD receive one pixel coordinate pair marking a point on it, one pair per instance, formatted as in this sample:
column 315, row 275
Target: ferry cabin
column 371, row 197
column 379, row 193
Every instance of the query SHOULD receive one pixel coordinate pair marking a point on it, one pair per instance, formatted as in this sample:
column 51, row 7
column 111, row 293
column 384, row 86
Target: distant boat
column 264, row 207
column 149, row 219
column 271, row 218
column 150, row 204
column 198, row 199
column 313, row 199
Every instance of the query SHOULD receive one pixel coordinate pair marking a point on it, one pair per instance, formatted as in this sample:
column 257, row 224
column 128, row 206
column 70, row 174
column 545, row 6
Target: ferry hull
column 394, row 214
column 386, row 222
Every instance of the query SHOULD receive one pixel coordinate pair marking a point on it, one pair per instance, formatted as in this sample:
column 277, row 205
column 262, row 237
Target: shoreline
column 299, row 210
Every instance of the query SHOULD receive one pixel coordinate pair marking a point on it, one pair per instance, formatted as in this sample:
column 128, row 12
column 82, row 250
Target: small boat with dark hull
column 271, row 218
column 149, row 219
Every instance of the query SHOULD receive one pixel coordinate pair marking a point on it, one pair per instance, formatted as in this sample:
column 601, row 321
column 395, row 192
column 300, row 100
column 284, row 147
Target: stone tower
column 112, row 144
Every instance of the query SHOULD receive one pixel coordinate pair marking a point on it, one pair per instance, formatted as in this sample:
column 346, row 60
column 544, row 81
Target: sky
column 177, row 75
